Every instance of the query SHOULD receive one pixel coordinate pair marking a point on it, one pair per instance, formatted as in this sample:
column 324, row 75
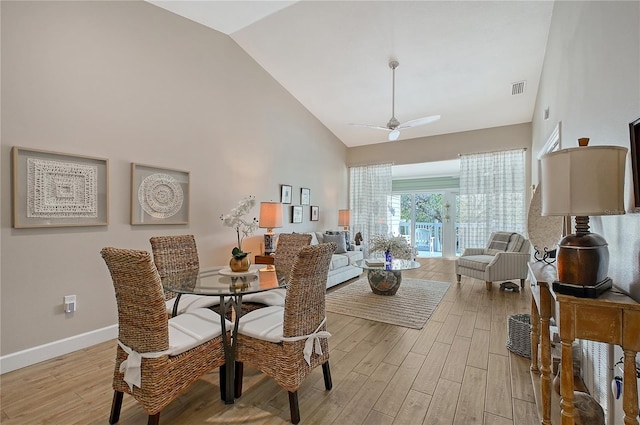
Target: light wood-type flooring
column 454, row 371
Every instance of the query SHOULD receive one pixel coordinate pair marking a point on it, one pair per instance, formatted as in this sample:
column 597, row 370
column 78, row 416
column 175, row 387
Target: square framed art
column 159, row 195
column 53, row 189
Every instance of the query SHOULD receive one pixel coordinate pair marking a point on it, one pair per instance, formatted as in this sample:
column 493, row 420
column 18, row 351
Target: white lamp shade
column 344, row 217
column 270, row 215
column 583, row 181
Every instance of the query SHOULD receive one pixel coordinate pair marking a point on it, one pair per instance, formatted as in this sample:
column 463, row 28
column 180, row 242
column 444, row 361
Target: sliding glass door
column 428, row 221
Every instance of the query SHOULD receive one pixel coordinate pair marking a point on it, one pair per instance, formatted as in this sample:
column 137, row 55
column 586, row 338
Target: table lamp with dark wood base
column 582, row 182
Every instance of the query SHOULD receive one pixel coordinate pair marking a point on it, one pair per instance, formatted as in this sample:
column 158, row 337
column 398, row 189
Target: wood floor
column 454, row 371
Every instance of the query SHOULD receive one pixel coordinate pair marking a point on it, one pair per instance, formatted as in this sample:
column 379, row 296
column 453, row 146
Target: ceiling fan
column 394, row 126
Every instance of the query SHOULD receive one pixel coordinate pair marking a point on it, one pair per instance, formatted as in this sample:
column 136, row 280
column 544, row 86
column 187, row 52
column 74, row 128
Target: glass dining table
column 230, row 287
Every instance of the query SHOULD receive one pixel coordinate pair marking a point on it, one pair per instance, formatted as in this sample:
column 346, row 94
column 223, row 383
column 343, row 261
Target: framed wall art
column 296, row 214
column 285, row 194
column 53, row 189
column 634, row 134
column 315, row 213
column 159, row 195
column 305, row 196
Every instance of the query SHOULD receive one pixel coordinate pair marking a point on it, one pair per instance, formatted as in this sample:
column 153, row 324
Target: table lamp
column 270, row 217
column 582, row 182
column 344, row 217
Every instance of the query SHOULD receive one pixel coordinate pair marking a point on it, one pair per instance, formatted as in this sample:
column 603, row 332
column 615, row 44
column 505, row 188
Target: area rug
column 410, row 307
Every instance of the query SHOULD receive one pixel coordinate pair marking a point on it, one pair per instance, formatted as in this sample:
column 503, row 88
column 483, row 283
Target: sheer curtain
column 492, row 195
column 369, row 194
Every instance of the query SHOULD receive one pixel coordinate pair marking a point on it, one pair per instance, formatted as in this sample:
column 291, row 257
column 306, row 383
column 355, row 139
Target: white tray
column 253, row 269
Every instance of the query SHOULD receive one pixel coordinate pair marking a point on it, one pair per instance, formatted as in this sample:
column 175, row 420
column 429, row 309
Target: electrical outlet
column 70, row 303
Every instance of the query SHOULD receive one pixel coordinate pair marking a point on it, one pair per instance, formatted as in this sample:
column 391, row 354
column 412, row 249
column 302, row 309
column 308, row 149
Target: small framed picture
column 159, row 195
column 285, row 194
column 305, row 196
column 296, row 214
column 315, row 212
column 634, row 133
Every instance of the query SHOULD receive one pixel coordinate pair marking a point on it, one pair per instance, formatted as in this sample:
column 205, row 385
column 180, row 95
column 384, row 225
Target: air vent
column 517, row 88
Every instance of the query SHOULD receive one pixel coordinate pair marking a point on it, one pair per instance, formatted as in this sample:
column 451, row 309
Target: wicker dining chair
column 272, row 339
column 175, row 254
column 289, row 245
column 173, row 353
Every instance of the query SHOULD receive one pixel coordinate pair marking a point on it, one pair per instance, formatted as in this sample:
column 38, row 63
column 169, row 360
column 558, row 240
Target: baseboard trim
column 48, row 351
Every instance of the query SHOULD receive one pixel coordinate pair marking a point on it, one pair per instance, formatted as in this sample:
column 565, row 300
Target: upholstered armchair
column 505, row 257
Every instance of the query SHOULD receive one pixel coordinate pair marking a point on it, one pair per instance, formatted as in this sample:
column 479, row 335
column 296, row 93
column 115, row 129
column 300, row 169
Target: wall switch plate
column 70, row 303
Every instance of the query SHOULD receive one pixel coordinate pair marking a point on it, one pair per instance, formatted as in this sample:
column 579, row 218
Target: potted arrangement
column 244, row 227
column 391, row 246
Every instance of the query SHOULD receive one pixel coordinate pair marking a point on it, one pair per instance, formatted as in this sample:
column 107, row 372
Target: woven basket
column 519, row 338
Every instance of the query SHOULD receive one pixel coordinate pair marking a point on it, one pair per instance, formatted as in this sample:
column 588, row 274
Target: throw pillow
column 341, row 246
column 341, row 232
column 515, row 244
column 498, row 243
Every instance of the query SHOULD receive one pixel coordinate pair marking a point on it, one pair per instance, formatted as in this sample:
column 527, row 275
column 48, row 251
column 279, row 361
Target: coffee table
column 385, row 279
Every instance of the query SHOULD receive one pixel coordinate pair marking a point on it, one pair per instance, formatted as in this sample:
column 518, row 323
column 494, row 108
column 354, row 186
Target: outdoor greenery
column 428, row 208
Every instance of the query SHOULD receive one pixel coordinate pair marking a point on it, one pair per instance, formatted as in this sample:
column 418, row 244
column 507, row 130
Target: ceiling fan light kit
column 394, row 126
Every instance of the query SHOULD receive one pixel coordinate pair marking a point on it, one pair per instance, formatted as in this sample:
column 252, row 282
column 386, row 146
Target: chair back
column 423, row 238
column 175, row 254
column 142, row 316
column 289, row 245
column 507, row 242
column 304, row 306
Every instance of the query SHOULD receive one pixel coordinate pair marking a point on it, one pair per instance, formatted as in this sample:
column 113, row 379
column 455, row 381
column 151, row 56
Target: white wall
column 591, row 82
column 443, row 147
column 131, row 82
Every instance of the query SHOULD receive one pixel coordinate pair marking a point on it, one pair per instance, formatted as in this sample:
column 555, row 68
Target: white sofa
column 342, row 267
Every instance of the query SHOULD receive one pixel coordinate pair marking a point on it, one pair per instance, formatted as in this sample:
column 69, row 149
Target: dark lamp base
column 583, row 291
column 583, row 265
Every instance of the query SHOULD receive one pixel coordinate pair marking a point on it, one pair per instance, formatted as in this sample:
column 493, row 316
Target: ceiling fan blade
column 377, row 127
column 419, row 121
column 393, row 136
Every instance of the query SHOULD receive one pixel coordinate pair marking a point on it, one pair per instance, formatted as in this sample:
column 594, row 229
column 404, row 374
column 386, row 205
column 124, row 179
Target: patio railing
column 428, row 236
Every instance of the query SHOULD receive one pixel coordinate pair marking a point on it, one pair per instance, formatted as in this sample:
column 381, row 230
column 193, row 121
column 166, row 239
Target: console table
column 543, row 309
column 263, row 259
column 612, row 318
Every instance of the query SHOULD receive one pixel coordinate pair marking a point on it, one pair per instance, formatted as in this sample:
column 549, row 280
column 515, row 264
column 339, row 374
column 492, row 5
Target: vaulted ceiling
column 457, row 59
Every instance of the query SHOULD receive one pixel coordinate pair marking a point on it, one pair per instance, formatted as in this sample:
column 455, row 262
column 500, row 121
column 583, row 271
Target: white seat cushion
column 274, row 297
column 263, row 323
column 475, row 262
column 189, row 302
column 193, row 328
column 338, row 261
column 354, row 256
